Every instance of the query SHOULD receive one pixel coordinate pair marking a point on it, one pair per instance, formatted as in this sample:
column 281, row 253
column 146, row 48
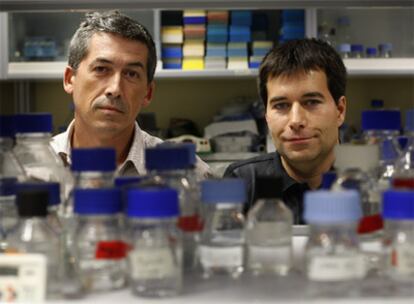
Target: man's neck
column 120, row 142
column 308, row 172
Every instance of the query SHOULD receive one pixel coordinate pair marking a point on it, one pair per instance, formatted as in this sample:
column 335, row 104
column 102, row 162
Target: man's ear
column 149, row 95
column 341, row 107
column 68, row 79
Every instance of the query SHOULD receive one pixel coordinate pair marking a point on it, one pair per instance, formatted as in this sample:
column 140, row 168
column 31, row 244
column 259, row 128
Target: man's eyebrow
column 100, row 60
column 313, row 94
column 277, row 98
column 107, row 61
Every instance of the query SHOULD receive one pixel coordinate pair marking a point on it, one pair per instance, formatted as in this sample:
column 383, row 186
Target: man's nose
column 297, row 117
column 113, row 89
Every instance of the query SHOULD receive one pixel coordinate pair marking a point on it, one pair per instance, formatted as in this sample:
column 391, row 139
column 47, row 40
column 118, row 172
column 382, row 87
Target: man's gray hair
column 115, row 23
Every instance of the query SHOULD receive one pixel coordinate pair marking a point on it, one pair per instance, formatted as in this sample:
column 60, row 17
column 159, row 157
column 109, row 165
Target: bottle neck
column 27, row 138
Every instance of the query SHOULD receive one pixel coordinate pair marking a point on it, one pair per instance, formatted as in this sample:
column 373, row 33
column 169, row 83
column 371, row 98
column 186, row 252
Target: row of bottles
column 150, row 231
column 339, row 36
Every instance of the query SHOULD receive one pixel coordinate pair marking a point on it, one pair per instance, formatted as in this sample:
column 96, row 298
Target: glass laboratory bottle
column 269, row 230
column 34, row 235
column 334, row 264
column 99, row 246
column 155, row 258
column 222, row 241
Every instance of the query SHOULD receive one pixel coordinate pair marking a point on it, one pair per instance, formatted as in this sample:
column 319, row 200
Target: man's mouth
column 110, row 109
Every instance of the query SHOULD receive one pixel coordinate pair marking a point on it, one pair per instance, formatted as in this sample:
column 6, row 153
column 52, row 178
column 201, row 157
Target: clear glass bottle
column 357, row 51
column 99, row 245
column 34, row 235
column 8, row 209
column 155, row 258
column 398, row 206
column 171, row 164
column 378, row 125
column 269, row 230
column 222, row 241
column 361, row 173
column 404, row 166
column 344, row 50
column 334, row 264
column 9, row 165
column 385, row 50
column 371, row 52
column 33, row 150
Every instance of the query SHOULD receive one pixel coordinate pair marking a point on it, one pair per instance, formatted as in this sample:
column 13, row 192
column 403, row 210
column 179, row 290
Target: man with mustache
column 302, row 84
column 110, row 75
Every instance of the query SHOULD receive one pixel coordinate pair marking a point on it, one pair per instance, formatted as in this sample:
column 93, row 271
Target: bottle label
column 152, row 263
column 336, row 268
column 402, row 259
column 270, row 255
column 221, row 256
column 111, row 250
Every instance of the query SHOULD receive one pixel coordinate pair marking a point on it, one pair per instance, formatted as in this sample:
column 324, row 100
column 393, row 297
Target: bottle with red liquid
column 170, row 164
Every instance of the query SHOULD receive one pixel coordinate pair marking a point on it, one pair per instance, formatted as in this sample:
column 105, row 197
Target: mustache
column 116, row 103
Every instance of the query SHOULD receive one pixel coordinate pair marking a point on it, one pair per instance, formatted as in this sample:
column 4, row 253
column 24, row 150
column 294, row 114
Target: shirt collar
column 288, row 181
column 133, row 164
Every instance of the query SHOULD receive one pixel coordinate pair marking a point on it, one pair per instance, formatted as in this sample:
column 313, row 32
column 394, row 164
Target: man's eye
column 312, row 102
column 281, row 106
column 132, row 74
column 100, row 69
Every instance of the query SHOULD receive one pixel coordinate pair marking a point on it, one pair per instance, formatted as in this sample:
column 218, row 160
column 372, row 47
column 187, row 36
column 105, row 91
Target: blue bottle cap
column 52, row 188
column 357, row 48
column 8, row 186
column 409, row 120
column 332, row 207
column 327, row 179
column 381, row 120
column 7, row 126
column 398, row 205
column 98, row 201
column 33, row 123
column 152, row 202
column 93, row 159
column 344, row 48
column 226, row 190
column 371, row 51
column 169, row 156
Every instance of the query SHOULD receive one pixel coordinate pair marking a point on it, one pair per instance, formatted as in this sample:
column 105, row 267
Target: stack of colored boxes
column 194, row 38
column 171, row 39
column 239, row 38
column 217, row 35
column 260, row 44
column 293, row 25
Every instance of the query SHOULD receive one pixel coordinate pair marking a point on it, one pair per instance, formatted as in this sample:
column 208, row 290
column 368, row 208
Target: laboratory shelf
column 355, row 67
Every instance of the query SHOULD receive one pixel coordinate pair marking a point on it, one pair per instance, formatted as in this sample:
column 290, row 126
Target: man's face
column 110, row 85
column 302, row 117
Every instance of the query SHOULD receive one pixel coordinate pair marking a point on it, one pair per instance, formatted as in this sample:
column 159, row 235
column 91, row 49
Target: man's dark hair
column 115, row 23
column 303, row 55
